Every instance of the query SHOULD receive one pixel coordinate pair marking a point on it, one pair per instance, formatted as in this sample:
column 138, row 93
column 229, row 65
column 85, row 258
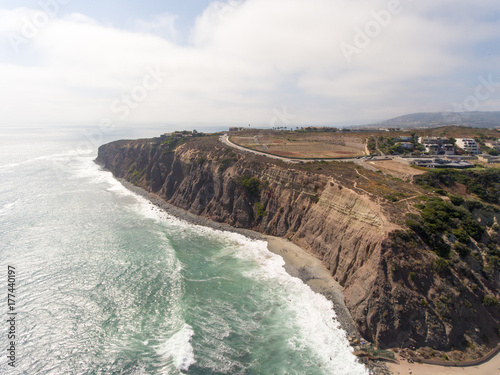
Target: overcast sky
column 264, row 62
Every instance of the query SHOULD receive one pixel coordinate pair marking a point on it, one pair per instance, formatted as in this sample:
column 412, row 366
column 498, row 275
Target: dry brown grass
column 303, row 145
column 396, row 168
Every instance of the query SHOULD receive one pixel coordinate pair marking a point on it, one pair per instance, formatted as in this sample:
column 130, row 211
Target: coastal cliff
column 392, row 287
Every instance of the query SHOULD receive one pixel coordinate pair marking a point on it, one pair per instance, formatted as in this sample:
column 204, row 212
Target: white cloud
column 247, row 58
column 162, row 25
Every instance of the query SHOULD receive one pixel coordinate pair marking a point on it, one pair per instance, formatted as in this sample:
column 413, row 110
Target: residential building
column 469, row 145
column 406, row 144
column 488, row 159
column 449, row 149
column 404, row 139
column 442, row 163
column 437, row 145
column 494, row 145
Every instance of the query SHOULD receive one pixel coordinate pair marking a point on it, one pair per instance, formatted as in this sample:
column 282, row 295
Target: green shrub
column 494, row 261
column 441, row 265
column 474, row 205
column 412, row 275
column 461, row 235
column 250, row 184
column 314, row 198
column 137, row 175
column 172, row 142
column 225, row 163
column 439, row 246
column 473, row 228
column 461, row 249
column 490, row 301
column 259, row 208
column 457, row 200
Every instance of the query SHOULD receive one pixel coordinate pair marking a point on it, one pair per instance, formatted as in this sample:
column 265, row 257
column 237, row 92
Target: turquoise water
column 106, row 283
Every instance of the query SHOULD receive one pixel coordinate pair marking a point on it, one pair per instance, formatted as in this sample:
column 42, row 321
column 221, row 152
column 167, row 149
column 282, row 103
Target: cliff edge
column 341, row 214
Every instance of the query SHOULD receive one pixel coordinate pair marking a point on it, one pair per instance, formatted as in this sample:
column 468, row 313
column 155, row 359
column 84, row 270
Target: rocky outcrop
column 390, row 285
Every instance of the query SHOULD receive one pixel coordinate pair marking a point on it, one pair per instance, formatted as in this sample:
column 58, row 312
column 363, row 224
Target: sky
column 259, row 62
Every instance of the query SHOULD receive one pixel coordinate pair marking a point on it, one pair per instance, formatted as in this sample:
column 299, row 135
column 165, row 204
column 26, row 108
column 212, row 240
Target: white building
column 494, row 145
column 469, row 145
column 437, row 145
column 406, row 144
column 404, row 139
column 448, row 148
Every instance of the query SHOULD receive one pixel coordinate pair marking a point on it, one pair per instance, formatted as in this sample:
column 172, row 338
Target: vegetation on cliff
column 483, row 183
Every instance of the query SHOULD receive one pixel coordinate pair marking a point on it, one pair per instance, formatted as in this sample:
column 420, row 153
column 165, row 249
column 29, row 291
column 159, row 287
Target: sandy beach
column 310, row 270
column 492, row 367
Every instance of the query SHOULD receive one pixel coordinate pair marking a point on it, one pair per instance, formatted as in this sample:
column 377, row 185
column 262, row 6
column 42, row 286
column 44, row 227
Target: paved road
column 225, row 139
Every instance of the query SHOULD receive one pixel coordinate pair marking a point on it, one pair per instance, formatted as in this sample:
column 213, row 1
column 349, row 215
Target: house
column 437, row 145
column 406, row 145
column 488, row 159
column 442, row 163
column 469, row 145
column 449, row 149
column 494, row 145
column 404, row 139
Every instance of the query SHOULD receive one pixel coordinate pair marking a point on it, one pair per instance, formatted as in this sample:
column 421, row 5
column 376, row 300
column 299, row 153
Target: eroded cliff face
column 350, row 232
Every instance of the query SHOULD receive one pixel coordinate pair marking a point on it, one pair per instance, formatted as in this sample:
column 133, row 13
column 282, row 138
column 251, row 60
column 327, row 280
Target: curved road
column 225, row 139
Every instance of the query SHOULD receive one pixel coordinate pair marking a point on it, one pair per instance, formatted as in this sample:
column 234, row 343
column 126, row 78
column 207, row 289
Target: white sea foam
column 312, row 313
column 7, row 207
column 178, row 348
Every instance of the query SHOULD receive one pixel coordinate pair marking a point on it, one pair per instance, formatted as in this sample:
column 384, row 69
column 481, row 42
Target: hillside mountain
column 432, row 119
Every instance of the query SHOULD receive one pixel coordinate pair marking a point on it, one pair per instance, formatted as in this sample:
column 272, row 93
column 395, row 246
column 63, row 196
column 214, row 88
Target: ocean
column 97, row 280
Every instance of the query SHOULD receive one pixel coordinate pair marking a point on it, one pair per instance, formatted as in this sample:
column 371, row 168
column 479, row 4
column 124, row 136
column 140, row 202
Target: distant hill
column 433, row 119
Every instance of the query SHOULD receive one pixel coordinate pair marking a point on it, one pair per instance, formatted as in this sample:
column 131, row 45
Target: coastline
column 303, row 265
column 300, row 263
